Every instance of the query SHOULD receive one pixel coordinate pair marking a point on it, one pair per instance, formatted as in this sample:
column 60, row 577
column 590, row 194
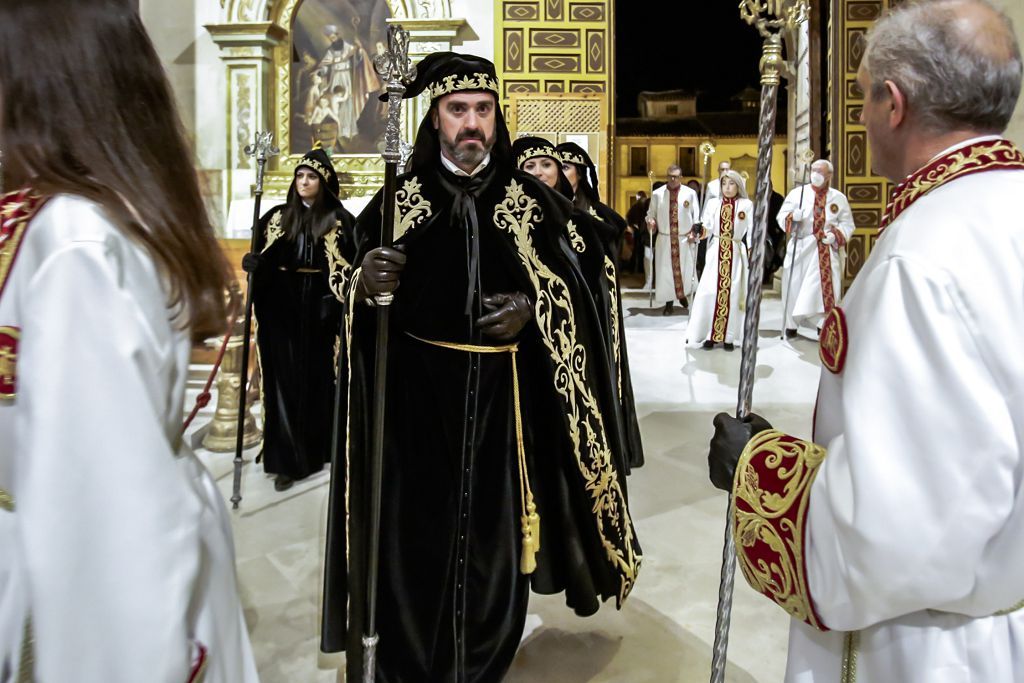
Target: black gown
column 610, row 227
column 452, row 599
column 298, row 318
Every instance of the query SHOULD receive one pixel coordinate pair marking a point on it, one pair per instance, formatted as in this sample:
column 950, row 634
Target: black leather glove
column 251, row 262
column 509, row 315
column 382, row 268
column 731, row 437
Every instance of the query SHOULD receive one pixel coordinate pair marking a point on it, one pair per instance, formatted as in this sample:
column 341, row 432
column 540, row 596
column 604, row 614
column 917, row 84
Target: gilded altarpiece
column 266, row 64
column 556, row 65
column 868, row 193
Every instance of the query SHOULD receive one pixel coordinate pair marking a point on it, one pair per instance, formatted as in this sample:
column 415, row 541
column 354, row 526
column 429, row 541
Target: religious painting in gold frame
column 326, row 89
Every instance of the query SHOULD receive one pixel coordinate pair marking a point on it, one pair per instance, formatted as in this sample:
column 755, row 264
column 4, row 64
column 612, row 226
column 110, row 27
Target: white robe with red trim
column 804, row 304
column 702, row 310
column 119, row 546
column 915, row 521
column 688, row 213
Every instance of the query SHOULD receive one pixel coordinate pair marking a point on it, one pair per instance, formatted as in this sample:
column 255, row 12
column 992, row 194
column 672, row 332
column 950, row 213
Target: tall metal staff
column 805, row 156
column 263, row 149
column 650, row 239
column 771, row 17
column 395, row 70
column 707, row 150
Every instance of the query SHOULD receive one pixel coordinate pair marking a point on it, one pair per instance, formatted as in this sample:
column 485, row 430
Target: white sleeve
column 907, row 499
column 741, row 231
column 652, row 208
column 695, row 209
column 710, row 220
column 107, row 523
column 788, row 205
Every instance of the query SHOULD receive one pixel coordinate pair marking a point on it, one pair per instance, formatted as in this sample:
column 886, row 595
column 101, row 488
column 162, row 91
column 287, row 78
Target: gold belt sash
column 530, row 519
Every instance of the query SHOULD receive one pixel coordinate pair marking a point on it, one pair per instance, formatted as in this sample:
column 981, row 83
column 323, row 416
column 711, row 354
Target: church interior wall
column 1015, row 8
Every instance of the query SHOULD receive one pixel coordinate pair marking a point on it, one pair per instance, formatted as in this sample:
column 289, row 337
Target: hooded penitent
column 297, row 289
column 455, row 568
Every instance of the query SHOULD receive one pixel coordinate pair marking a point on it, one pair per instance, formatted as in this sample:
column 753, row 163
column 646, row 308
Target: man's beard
column 467, row 156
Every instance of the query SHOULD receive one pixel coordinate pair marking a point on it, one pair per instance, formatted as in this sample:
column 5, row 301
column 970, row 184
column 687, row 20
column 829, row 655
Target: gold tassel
column 528, row 559
column 534, row 518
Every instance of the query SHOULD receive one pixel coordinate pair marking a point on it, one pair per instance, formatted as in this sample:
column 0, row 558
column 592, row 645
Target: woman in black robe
column 298, row 278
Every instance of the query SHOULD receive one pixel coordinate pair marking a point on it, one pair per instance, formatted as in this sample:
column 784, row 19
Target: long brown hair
column 86, row 109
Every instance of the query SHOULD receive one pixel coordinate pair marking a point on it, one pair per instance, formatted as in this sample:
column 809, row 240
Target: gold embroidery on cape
column 411, row 209
column 569, row 158
column 535, row 152
column 723, row 302
column 851, row 643
column 999, row 153
column 796, row 463
column 318, row 167
column 555, row 317
column 574, row 236
column 274, row 230
column 613, row 291
column 338, row 267
column 8, row 362
column 449, row 84
column 21, row 212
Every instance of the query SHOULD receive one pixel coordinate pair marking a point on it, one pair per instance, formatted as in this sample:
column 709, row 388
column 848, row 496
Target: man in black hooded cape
column 499, row 475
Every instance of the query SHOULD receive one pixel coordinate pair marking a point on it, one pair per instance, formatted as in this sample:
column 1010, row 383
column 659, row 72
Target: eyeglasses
column 674, row 177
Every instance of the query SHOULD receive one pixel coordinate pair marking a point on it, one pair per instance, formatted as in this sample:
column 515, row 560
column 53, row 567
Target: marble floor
column 664, row 632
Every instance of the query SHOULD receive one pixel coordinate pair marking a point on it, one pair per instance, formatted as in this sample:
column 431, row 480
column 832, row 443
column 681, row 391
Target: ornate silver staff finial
column 263, row 149
column 395, row 69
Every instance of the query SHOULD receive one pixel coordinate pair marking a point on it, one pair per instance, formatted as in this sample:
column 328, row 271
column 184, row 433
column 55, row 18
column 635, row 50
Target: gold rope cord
column 850, row 645
column 530, row 520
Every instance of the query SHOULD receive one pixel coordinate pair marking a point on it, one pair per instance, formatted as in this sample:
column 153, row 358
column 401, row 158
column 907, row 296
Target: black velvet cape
column 297, row 301
column 451, row 598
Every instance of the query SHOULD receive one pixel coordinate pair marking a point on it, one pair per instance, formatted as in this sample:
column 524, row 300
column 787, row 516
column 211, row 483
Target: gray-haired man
column 821, row 222
column 894, row 539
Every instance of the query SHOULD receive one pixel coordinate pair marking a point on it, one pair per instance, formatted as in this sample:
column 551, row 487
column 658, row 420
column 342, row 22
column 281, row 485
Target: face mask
column 817, row 179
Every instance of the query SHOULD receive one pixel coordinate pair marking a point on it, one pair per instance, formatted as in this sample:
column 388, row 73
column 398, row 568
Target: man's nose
column 472, row 121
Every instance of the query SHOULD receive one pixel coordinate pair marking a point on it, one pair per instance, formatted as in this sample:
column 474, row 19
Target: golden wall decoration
column 868, row 193
column 555, row 62
column 554, row 46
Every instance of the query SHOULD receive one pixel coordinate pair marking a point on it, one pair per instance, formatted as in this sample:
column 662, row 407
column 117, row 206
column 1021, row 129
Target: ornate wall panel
column 560, row 48
column 555, row 46
column 868, row 193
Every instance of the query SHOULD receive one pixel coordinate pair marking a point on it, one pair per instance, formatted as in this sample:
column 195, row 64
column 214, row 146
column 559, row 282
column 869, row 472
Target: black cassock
column 298, row 311
column 452, row 599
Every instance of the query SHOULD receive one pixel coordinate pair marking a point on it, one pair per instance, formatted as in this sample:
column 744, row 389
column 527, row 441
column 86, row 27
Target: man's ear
column 897, row 105
column 434, row 120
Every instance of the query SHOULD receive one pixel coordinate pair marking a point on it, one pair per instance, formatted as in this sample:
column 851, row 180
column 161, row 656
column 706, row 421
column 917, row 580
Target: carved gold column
column 247, row 49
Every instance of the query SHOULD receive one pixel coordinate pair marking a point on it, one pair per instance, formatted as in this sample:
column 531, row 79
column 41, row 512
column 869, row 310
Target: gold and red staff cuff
column 771, row 491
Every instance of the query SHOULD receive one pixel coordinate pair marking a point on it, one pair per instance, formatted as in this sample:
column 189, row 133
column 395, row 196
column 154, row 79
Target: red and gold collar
column 977, row 157
column 16, row 210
